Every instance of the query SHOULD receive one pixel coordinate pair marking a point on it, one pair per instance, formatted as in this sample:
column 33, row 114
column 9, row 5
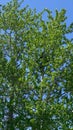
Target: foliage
column 36, row 69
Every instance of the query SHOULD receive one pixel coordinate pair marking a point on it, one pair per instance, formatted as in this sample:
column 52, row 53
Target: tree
column 36, row 89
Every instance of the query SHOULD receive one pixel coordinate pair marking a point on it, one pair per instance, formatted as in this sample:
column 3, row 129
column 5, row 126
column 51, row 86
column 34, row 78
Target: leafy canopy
column 36, row 69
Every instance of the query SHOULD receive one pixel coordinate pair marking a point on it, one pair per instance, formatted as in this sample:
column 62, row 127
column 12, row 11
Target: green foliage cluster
column 36, row 69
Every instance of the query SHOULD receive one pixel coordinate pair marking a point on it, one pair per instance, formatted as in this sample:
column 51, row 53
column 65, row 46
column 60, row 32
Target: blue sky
column 50, row 4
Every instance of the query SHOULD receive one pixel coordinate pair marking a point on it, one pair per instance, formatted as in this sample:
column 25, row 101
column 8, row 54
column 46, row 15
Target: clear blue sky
column 50, row 4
